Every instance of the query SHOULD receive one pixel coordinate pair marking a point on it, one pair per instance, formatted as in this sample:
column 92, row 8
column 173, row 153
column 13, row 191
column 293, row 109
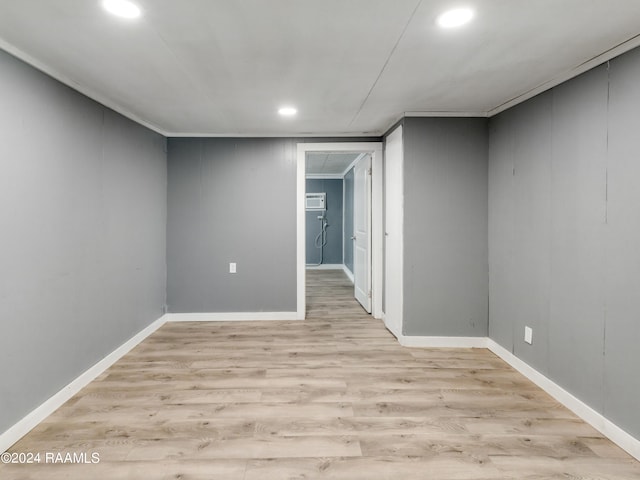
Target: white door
column 362, row 231
column 393, row 225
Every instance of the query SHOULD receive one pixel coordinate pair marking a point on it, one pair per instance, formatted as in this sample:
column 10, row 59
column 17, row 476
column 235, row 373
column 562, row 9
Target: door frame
column 377, row 206
column 393, row 257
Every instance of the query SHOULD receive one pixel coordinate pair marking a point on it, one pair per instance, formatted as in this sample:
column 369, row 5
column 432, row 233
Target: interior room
column 319, row 239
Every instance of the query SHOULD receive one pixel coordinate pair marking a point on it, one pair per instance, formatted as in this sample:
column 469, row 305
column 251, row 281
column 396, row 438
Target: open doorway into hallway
column 339, row 218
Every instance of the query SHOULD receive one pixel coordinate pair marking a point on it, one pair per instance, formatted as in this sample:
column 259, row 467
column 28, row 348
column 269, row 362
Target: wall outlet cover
column 232, row 268
column 528, row 335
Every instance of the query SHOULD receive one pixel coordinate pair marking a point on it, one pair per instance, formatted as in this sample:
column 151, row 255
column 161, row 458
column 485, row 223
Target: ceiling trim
column 341, row 147
column 353, row 164
column 323, row 176
column 604, row 57
column 433, row 114
column 87, row 92
column 276, row 135
column 446, row 114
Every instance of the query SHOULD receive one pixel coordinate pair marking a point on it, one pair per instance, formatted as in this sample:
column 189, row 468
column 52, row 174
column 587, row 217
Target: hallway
column 330, row 297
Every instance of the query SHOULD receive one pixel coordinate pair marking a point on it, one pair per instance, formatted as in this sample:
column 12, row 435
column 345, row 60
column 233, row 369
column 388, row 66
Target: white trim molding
column 375, row 150
column 231, row 316
column 301, row 247
column 24, row 426
column 610, row 430
column 79, row 87
column 324, row 176
column 598, row 421
column 325, row 266
column 377, row 231
column 605, row 426
column 280, row 134
column 567, row 75
column 32, row 419
column 352, row 164
column 446, row 114
column 442, row 342
column 348, row 273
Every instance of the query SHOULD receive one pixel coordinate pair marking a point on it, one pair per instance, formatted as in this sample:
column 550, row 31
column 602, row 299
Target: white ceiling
column 329, row 163
column 352, row 67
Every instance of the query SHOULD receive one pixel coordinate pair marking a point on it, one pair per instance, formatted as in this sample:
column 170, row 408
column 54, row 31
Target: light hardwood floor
column 333, row 397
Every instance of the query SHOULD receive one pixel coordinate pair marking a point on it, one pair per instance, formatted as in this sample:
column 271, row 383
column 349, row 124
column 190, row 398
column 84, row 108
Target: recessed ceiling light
column 122, row 8
column 455, row 18
column 287, row 111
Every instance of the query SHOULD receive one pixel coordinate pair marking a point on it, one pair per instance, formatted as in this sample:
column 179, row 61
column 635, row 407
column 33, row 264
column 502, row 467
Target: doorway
column 367, row 237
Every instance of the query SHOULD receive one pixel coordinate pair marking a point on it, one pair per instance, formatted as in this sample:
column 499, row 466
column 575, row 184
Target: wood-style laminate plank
column 333, row 397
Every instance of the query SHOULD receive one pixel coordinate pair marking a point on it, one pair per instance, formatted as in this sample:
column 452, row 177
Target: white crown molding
column 274, row 135
column 324, row 176
column 90, row 93
column 353, row 164
column 432, row 114
column 87, row 92
column 446, row 114
column 610, row 54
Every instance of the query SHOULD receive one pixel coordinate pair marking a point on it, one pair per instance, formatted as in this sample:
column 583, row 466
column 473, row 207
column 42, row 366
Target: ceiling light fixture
column 287, row 111
column 122, row 8
column 455, row 18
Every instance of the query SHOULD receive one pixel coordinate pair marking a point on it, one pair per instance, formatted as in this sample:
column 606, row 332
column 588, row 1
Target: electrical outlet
column 528, row 335
column 232, row 267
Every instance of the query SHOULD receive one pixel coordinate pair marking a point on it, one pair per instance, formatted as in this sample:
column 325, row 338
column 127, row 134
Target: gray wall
column 83, row 213
column 233, row 200
column 564, row 231
column 332, row 251
column 348, row 219
column 445, row 227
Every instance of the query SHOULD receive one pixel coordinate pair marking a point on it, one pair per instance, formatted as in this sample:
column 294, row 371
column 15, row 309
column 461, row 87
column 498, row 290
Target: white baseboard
column 389, row 327
column 348, row 273
column 605, row 426
column 325, row 266
column 31, row 420
column 230, row 316
column 623, row 439
column 24, row 426
column 442, row 342
column 610, row 430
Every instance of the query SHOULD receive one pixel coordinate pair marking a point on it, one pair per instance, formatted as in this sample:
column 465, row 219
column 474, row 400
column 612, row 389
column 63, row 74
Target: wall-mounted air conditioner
column 316, row 201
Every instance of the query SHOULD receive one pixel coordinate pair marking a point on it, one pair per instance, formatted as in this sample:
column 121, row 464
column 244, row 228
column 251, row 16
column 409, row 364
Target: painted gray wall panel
column 572, row 260
column 348, row 219
column 445, row 227
column 231, row 200
column 332, row 253
column 502, row 274
column 83, row 213
column 532, row 203
column 622, row 355
column 577, row 293
column 541, row 201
